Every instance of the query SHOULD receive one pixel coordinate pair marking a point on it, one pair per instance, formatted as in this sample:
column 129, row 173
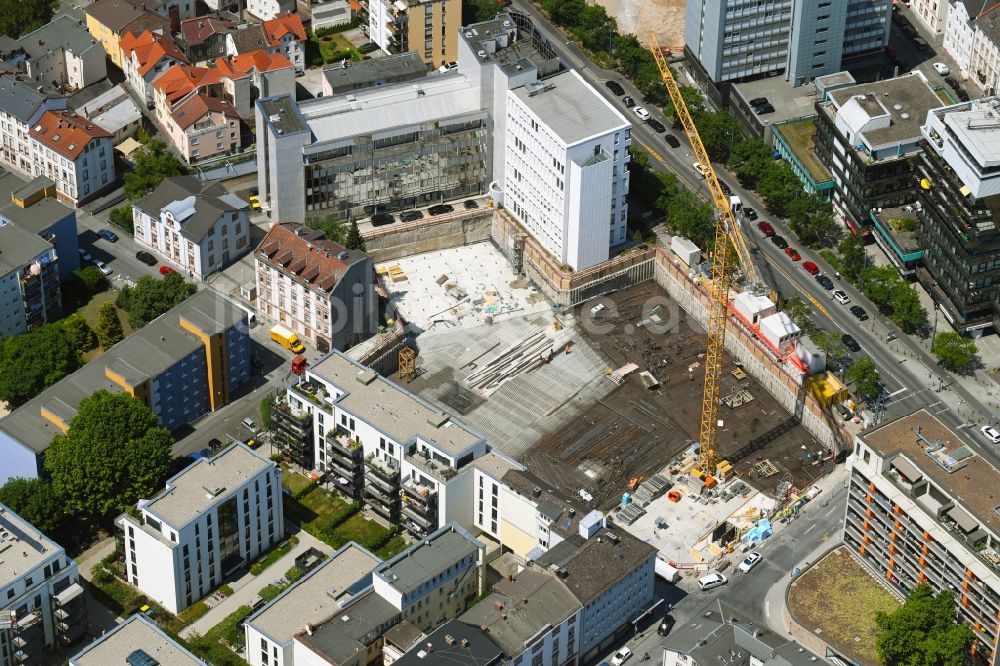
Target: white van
column 712, row 581
column 666, row 572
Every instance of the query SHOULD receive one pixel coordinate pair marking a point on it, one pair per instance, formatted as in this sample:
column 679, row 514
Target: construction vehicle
column 726, row 226
column 287, row 339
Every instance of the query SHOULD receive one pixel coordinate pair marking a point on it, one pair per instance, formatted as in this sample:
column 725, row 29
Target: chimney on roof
column 309, row 629
column 449, row 639
column 465, row 642
column 429, row 647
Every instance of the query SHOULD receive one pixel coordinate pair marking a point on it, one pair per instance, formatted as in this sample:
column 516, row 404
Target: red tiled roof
column 180, row 80
column 150, row 49
column 315, row 263
column 277, row 28
column 262, row 61
column 198, row 29
column 195, row 109
column 66, row 133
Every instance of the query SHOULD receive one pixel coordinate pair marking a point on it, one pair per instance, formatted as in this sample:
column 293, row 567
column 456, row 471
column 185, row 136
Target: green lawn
column 332, row 48
column 90, row 313
column 257, row 568
column 294, row 482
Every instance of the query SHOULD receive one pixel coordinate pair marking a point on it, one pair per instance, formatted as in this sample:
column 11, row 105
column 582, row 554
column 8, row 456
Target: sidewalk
column 249, row 586
column 99, row 617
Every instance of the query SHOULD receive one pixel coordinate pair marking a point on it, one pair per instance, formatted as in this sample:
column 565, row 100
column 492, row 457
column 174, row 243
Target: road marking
column 933, row 404
column 898, row 392
column 767, row 608
column 809, row 528
column 942, row 411
column 830, row 511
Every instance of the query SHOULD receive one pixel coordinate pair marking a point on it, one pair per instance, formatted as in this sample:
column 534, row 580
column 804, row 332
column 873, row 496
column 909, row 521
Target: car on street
column 712, row 581
column 841, row 297
column 410, row 215
column 249, row 424
column 751, row 560
column 941, row 69
column 470, row 204
column 145, row 257
column 254, row 201
column 621, row 657
column 749, row 213
column 440, row 209
column 656, row 126
column 700, row 168
column 215, row 444
column 615, row 88
column 448, row 67
column 505, row 3
column 952, row 82
column 962, row 95
column 859, row 312
column 666, row 625
column 766, row 228
column 779, row 241
column 672, row 141
column 381, row 219
column 108, row 235
column 810, row 267
column 850, row 342
column 628, row 101
column 166, row 270
column 103, row 267
column 991, row 434
column 725, row 188
column 792, row 253
column 641, row 113
column 825, row 281
column 85, row 256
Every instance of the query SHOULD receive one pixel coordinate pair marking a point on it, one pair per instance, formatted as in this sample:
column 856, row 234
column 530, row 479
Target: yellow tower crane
column 726, row 226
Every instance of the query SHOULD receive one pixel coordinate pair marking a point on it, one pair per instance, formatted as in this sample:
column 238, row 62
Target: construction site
column 596, row 400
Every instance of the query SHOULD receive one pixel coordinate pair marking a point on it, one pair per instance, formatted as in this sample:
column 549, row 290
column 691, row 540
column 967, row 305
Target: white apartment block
column 75, row 153
column 20, row 106
column 29, row 281
column 62, row 55
column 136, row 641
column 42, row 604
column 984, row 66
column 932, row 13
column 566, row 174
column 198, row 227
column 959, row 33
column 267, row 10
column 215, row 516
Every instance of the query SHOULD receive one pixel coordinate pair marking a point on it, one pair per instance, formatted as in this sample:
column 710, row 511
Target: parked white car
column 712, row 581
column 752, row 560
column 103, row 267
column 841, row 297
column 991, row 434
column 621, row 657
column 701, row 169
column 641, row 113
column 941, row 69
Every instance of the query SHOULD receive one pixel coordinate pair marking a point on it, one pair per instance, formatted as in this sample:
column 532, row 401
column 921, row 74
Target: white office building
column 566, row 175
column 138, row 642
column 42, row 604
column 216, row 515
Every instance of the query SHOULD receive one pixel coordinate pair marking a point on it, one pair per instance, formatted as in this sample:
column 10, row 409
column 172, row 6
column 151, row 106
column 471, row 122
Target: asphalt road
column 910, row 374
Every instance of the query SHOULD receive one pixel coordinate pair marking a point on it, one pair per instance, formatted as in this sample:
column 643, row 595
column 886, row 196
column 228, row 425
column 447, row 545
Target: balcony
column 382, row 474
column 420, row 504
column 435, row 469
column 312, row 392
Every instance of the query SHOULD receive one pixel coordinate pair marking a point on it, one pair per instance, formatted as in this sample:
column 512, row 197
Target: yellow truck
column 287, row 339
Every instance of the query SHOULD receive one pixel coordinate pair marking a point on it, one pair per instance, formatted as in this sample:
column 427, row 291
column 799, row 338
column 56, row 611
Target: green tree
column 720, row 133
column 631, row 55
column 831, row 344
column 150, row 297
column 907, row 312
column 801, row 313
column 474, row 11
column 750, row 159
column 153, row 163
column 113, row 453
column 953, row 351
column 122, row 218
column 778, row 187
column 20, row 17
column 34, row 500
column 865, row 377
column 33, row 361
column 331, row 227
column 354, row 240
column 852, row 254
column 693, row 100
column 811, row 218
column 109, row 326
column 689, row 216
column 565, row 13
column 79, row 333
column 879, row 283
column 923, row 632
column 91, row 278
column 595, row 29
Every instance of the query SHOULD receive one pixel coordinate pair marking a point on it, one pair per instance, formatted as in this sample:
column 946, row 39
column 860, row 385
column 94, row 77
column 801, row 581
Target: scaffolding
column 407, row 365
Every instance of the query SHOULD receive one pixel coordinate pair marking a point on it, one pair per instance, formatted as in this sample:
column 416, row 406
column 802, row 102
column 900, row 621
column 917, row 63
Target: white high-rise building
column 215, row 516
column 566, row 175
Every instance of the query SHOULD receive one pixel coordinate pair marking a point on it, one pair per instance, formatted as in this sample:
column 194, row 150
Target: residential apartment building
column 181, row 365
column 533, row 617
column 984, row 69
column 610, row 572
column 454, row 644
column 266, row 10
column 204, row 37
column 215, row 516
column 959, row 33
column 137, row 640
column 933, row 14
column 198, row 227
column 61, row 55
column 311, row 600
column 566, row 168
column 113, row 110
column 42, row 604
column 428, row 28
column 77, row 155
column 917, row 513
column 959, row 195
column 736, row 40
column 145, row 56
column 285, row 35
column 32, row 206
column 30, row 294
column 110, row 20
column 408, row 460
column 317, row 288
column 429, row 583
column 869, row 138
column 202, row 126
column 718, row 634
column 21, row 105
